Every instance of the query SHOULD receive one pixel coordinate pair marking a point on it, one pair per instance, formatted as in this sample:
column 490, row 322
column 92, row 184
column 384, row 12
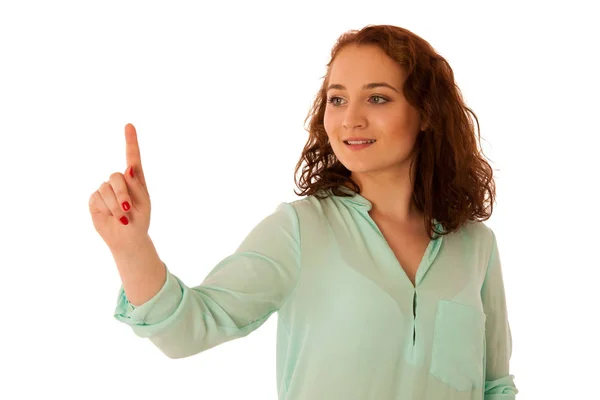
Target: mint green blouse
column 350, row 324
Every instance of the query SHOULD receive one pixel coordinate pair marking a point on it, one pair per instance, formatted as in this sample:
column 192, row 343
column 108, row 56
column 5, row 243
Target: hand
column 123, row 227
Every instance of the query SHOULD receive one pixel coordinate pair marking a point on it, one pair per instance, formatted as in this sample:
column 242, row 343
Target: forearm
column 142, row 271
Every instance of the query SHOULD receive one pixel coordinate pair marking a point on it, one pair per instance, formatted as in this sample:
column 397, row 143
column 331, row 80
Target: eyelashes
column 332, row 100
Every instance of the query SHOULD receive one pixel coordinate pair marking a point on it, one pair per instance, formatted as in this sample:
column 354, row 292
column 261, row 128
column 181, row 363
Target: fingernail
column 131, row 171
column 126, row 206
column 124, row 220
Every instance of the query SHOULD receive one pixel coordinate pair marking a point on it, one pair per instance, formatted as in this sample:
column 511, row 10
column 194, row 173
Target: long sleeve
column 499, row 383
column 236, row 297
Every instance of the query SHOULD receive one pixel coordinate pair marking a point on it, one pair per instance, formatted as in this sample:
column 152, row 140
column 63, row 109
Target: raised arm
column 237, row 296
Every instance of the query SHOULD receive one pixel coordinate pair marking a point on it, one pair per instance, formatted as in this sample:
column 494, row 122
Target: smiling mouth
column 355, row 142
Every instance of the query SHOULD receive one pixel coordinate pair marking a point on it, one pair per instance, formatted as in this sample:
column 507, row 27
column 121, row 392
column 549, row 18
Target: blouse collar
column 361, row 203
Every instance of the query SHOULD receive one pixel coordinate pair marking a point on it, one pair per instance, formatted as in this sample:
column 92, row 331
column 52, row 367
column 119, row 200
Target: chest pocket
column 458, row 345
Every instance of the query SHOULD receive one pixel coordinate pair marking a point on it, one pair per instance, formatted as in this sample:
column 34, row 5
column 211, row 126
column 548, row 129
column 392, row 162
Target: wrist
column 133, row 248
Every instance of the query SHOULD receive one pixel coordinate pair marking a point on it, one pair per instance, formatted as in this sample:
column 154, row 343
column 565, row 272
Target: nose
column 353, row 118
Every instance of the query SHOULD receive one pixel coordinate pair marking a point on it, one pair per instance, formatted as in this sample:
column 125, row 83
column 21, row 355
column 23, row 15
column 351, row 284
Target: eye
column 331, row 100
column 381, row 98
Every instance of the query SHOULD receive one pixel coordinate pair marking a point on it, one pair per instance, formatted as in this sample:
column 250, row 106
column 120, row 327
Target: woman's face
column 359, row 107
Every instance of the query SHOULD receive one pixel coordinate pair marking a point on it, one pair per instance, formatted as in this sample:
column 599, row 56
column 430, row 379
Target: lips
column 358, row 146
column 359, row 141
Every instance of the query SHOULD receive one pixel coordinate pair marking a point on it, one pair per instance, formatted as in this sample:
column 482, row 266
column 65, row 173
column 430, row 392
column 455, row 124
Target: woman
column 387, row 283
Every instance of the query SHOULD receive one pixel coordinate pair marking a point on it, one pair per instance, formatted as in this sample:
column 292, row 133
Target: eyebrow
column 367, row 86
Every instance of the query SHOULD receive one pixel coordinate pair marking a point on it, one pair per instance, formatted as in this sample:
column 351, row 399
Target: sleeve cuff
column 157, row 309
column 501, row 389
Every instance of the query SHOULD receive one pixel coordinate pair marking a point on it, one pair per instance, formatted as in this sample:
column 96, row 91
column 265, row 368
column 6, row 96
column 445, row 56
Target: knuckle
column 93, row 198
column 119, row 185
column 114, row 208
column 107, row 195
column 104, row 187
column 120, row 194
column 116, row 175
column 97, row 203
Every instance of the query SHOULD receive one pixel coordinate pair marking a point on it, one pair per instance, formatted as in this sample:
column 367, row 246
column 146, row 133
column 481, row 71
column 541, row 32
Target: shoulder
column 478, row 233
column 303, row 210
column 311, row 205
column 297, row 209
column 313, row 212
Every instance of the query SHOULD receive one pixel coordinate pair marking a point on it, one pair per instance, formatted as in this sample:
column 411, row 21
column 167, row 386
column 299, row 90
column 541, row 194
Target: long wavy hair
column 453, row 181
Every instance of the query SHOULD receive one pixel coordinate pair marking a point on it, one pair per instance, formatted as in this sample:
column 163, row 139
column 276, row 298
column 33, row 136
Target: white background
column 218, row 94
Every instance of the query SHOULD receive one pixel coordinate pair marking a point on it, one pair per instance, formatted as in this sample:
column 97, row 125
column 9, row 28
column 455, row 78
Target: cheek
column 327, row 122
column 388, row 120
column 395, row 125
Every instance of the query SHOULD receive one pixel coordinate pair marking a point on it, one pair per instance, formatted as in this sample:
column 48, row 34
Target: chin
column 361, row 168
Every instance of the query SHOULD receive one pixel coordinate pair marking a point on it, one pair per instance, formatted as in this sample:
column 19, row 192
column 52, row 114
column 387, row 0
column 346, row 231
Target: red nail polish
column 131, row 171
column 124, row 220
column 126, row 206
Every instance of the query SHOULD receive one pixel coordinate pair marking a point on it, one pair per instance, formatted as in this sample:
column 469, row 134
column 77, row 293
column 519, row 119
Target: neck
column 390, row 195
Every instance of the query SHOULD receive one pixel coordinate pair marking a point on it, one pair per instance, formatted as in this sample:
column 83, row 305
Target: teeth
column 359, row 141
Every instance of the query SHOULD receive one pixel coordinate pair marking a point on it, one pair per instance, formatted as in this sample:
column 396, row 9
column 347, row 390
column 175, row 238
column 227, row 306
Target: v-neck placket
column 363, row 205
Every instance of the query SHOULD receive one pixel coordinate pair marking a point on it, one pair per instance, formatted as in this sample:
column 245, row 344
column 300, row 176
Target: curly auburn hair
column 452, row 177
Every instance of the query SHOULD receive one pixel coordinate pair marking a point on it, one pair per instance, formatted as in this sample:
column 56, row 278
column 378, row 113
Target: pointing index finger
column 132, row 150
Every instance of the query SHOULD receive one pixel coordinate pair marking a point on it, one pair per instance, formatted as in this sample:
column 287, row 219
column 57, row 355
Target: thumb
column 137, row 191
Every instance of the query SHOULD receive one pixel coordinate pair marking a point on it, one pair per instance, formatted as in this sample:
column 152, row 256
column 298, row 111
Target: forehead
column 364, row 63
